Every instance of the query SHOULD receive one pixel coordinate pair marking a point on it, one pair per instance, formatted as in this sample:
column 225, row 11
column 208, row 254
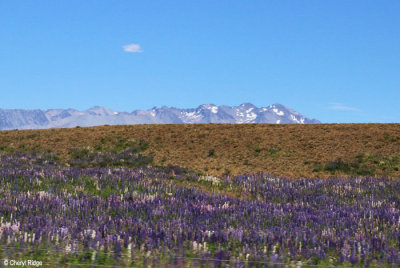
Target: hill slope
column 216, row 149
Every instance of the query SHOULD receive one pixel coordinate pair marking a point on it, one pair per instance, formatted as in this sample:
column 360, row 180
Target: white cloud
column 133, row 48
column 341, row 107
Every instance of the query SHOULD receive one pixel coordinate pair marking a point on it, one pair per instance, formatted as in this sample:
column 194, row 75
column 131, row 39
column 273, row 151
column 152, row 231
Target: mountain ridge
column 98, row 115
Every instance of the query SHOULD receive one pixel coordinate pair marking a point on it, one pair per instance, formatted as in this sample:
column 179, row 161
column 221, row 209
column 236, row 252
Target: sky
column 336, row 61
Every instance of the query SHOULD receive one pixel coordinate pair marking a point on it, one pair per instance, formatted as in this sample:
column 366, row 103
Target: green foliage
column 337, row 165
column 227, row 172
column 122, row 153
column 211, row 153
column 388, row 138
column 6, row 149
column 273, row 150
column 80, row 154
column 362, row 165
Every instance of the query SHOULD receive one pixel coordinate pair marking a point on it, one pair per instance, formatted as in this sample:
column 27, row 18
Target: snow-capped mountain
column 206, row 113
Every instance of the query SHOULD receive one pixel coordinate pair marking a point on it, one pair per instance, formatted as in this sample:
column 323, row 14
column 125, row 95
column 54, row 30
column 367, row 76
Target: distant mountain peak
column 247, row 104
column 99, row 115
column 101, row 111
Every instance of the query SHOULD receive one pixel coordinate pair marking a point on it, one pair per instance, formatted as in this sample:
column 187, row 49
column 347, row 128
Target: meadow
column 168, row 216
column 105, row 199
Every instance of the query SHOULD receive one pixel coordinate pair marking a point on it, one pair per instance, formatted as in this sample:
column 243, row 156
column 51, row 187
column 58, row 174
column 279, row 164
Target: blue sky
column 336, row 61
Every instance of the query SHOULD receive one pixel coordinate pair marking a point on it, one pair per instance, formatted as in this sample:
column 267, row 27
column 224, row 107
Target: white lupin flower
column 213, row 180
column 225, row 205
column 68, row 248
column 148, row 254
column 94, row 255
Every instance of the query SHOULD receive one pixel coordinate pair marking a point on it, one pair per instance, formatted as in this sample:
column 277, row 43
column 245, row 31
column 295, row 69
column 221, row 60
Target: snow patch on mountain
column 280, row 113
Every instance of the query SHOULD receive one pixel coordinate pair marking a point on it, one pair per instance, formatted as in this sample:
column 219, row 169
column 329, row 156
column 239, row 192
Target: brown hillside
column 215, row 149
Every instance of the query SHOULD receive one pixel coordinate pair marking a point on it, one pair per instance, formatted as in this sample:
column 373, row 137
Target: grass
column 362, row 165
column 319, row 150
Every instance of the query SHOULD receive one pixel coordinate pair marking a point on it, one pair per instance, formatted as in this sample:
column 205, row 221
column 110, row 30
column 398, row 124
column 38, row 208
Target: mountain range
column 97, row 115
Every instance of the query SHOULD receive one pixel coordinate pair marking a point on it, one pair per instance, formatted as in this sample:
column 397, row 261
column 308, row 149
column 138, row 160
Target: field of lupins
column 154, row 216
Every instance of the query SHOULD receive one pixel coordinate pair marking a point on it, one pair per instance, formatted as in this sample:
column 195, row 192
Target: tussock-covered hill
column 292, row 150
